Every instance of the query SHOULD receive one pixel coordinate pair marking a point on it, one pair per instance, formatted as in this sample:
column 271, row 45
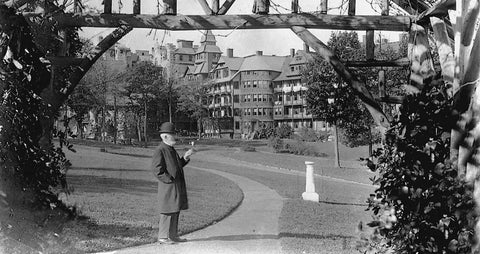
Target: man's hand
column 188, row 153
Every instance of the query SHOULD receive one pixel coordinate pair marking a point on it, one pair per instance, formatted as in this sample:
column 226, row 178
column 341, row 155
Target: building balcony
column 296, row 116
column 277, row 89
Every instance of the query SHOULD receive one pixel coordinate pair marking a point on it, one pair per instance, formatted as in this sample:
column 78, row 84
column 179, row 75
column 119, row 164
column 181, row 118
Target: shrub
column 276, row 143
column 265, row 132
column 283, row 131
column 307, row 135
column 421, row 206
column 247, row 148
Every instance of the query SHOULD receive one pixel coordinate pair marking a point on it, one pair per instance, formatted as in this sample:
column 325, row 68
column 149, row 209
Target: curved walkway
column 252, row 228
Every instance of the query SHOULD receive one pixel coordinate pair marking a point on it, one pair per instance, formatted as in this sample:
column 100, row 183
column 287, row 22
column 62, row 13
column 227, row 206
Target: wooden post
column 445, row 53
column 459, row 49
column 381, row 86
column 370, row 45
column 261, row 6
column 294, row 6
column 206, row 8
column 170, row 7
column 351, row 7
column 107, row 7
column 420, row 57
column 385, row 7
column 323, row 6
column 470, row 13
column 337, row 153
column 215, row 6
column 226, row 5
column 136, row 6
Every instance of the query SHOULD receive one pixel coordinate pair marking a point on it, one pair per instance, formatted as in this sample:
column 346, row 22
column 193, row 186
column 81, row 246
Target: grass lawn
column 305, row 227
column 308, row 227
column 116, row 198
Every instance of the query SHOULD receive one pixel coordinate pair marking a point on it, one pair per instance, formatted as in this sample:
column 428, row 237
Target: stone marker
column 310, row 193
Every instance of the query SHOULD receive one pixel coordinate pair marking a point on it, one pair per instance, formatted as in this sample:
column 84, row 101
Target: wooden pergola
column 459, row 63
column 216, row 18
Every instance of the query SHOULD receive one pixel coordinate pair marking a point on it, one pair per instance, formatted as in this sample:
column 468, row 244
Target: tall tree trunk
column 145, row 124
column 139, row 129
column 114, row 119
column 199, row 128
column 102, row 128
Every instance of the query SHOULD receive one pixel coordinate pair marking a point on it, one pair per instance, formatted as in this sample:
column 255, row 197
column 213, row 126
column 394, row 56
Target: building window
column 255, row 83
column 249, row 97
column 255, row 97
column 235, row 98
column 255, row 111
column 237, row 125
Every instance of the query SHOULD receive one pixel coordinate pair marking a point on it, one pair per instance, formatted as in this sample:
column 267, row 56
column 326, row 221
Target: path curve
column 251, row 228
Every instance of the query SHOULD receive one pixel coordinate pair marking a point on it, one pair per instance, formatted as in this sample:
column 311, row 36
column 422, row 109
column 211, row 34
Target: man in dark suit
column 167, row 166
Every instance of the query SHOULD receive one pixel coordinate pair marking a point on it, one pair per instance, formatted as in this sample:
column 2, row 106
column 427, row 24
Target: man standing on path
column 172, row 192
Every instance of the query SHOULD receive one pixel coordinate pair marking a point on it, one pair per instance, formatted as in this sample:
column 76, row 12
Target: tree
column 143, row 84
column 32, row 92
column 327, row 97
column 192, row 101
column 347, row 111
column 82, row 101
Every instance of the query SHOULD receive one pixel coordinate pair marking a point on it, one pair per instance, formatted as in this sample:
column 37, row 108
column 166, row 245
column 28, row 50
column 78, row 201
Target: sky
column 244, row 42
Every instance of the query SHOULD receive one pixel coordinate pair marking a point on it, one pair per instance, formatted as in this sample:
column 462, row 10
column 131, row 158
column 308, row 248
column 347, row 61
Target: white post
column 310, row 193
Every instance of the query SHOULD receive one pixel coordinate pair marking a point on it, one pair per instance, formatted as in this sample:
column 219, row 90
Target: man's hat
column 167, row 127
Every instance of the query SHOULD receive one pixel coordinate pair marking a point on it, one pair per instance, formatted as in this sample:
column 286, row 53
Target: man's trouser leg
column 168, row 225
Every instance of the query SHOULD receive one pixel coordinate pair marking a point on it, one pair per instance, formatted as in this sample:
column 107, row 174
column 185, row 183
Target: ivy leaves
column 432, row 206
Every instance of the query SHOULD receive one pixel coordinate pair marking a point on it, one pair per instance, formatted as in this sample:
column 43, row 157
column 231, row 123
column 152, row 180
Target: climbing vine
column 420, row 206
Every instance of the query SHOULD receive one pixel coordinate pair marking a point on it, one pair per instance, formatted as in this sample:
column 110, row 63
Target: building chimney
column 259, row 53
column 229, row 53
column 292, row 52
column 306, row 48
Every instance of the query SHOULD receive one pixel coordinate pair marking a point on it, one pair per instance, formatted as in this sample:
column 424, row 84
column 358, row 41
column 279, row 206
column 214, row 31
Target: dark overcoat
column 168, row 168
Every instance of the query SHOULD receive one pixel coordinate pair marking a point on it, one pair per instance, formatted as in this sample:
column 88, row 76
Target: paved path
column 252, row 228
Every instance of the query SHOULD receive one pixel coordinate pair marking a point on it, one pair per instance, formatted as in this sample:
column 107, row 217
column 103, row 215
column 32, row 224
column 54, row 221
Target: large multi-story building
column 249, row 92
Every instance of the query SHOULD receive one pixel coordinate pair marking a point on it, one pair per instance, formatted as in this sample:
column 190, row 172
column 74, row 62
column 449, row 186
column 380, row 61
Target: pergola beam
column 349, row 77
column 206, row 8
column 228, row 22
column 439, row 10
column 225, row 7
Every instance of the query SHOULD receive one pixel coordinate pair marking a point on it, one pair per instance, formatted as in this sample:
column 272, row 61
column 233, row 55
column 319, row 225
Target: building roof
column 301, row 57
column 263, row 63
column 208, row 49
column 208, row 37
column 286, row 73
column 201, row 68
column 187, row 51
column 233, row 63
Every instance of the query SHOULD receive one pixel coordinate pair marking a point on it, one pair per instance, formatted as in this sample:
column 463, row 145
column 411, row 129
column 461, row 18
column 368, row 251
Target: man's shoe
column 179, row 240
column 166, row 241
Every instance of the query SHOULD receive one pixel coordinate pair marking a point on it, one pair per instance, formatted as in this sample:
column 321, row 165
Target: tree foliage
column 31, row 173
column 144, row 82
column 192, row 100
column 329, row 99
column 420, row 206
